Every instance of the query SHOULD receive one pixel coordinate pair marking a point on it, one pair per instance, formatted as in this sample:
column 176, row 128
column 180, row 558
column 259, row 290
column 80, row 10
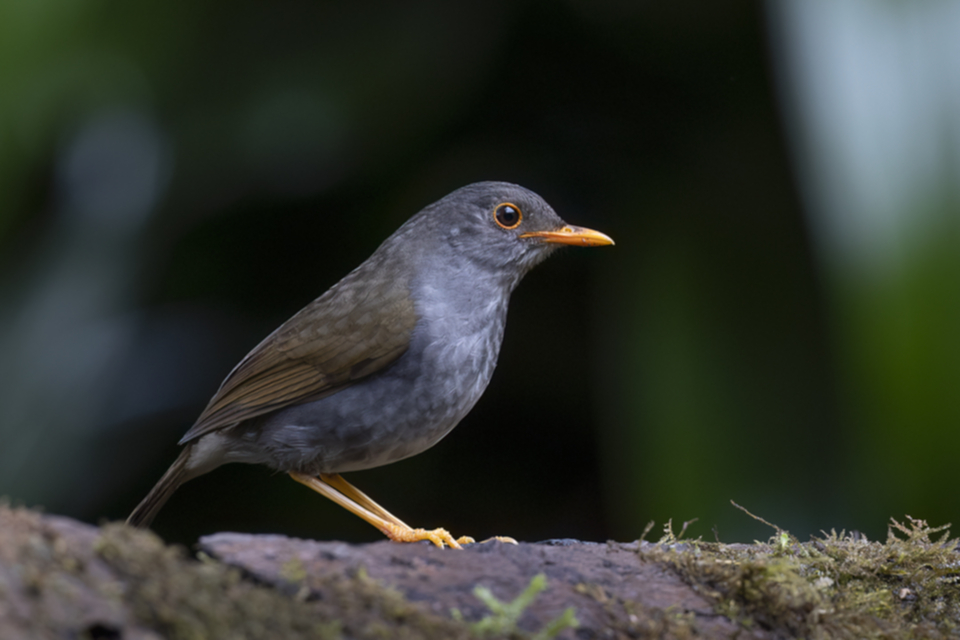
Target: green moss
column 503, row 618
column 293, row 571
column 836, row 586
column 184, row 599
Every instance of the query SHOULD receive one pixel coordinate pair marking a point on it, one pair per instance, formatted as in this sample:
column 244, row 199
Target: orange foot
column 439, row 537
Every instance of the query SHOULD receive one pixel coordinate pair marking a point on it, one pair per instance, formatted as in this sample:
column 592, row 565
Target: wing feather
column 350, row 332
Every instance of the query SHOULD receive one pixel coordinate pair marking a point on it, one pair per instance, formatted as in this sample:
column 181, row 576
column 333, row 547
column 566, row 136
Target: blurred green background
column 777, row 325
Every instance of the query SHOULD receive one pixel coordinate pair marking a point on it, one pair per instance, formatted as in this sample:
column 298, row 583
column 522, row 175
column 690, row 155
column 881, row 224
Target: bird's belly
column 397, row 413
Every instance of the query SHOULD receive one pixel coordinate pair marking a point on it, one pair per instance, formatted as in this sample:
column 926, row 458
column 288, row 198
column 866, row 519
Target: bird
column 386, row 362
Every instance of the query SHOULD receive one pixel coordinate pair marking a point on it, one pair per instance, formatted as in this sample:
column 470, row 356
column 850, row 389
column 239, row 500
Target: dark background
column 178, row 179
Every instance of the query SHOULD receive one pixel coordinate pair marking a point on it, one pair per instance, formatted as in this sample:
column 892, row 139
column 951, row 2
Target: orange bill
column 579, row 236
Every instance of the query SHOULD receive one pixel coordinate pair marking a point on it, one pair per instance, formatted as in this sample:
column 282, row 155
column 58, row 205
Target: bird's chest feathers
column 460, row 329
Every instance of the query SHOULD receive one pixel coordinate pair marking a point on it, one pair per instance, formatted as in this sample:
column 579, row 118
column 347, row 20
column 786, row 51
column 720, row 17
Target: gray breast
column 400, row 411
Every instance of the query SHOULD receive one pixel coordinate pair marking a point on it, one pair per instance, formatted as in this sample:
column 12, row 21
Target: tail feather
column 175, row 476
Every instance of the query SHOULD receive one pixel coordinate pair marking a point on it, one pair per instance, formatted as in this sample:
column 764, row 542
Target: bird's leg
column 335, row 488
column 336, row 481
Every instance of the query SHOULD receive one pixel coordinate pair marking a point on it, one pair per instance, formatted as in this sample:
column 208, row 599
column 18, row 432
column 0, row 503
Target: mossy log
column 63, row 579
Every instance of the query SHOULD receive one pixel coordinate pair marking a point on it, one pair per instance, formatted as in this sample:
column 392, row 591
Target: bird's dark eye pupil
column 507, row 216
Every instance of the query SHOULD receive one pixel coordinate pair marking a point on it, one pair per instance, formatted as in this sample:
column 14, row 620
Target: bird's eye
column 507, row 215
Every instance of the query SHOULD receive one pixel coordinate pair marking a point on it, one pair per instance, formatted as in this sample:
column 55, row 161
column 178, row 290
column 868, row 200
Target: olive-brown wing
column 345, row 335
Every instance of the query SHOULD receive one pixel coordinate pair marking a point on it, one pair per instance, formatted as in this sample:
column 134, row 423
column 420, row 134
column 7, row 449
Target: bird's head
column 497, row 226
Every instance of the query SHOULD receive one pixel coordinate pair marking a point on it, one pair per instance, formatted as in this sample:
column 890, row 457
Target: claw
column 439, row 537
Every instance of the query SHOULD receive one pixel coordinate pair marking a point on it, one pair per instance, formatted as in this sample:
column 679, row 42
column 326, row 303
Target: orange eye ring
column 507, row 215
